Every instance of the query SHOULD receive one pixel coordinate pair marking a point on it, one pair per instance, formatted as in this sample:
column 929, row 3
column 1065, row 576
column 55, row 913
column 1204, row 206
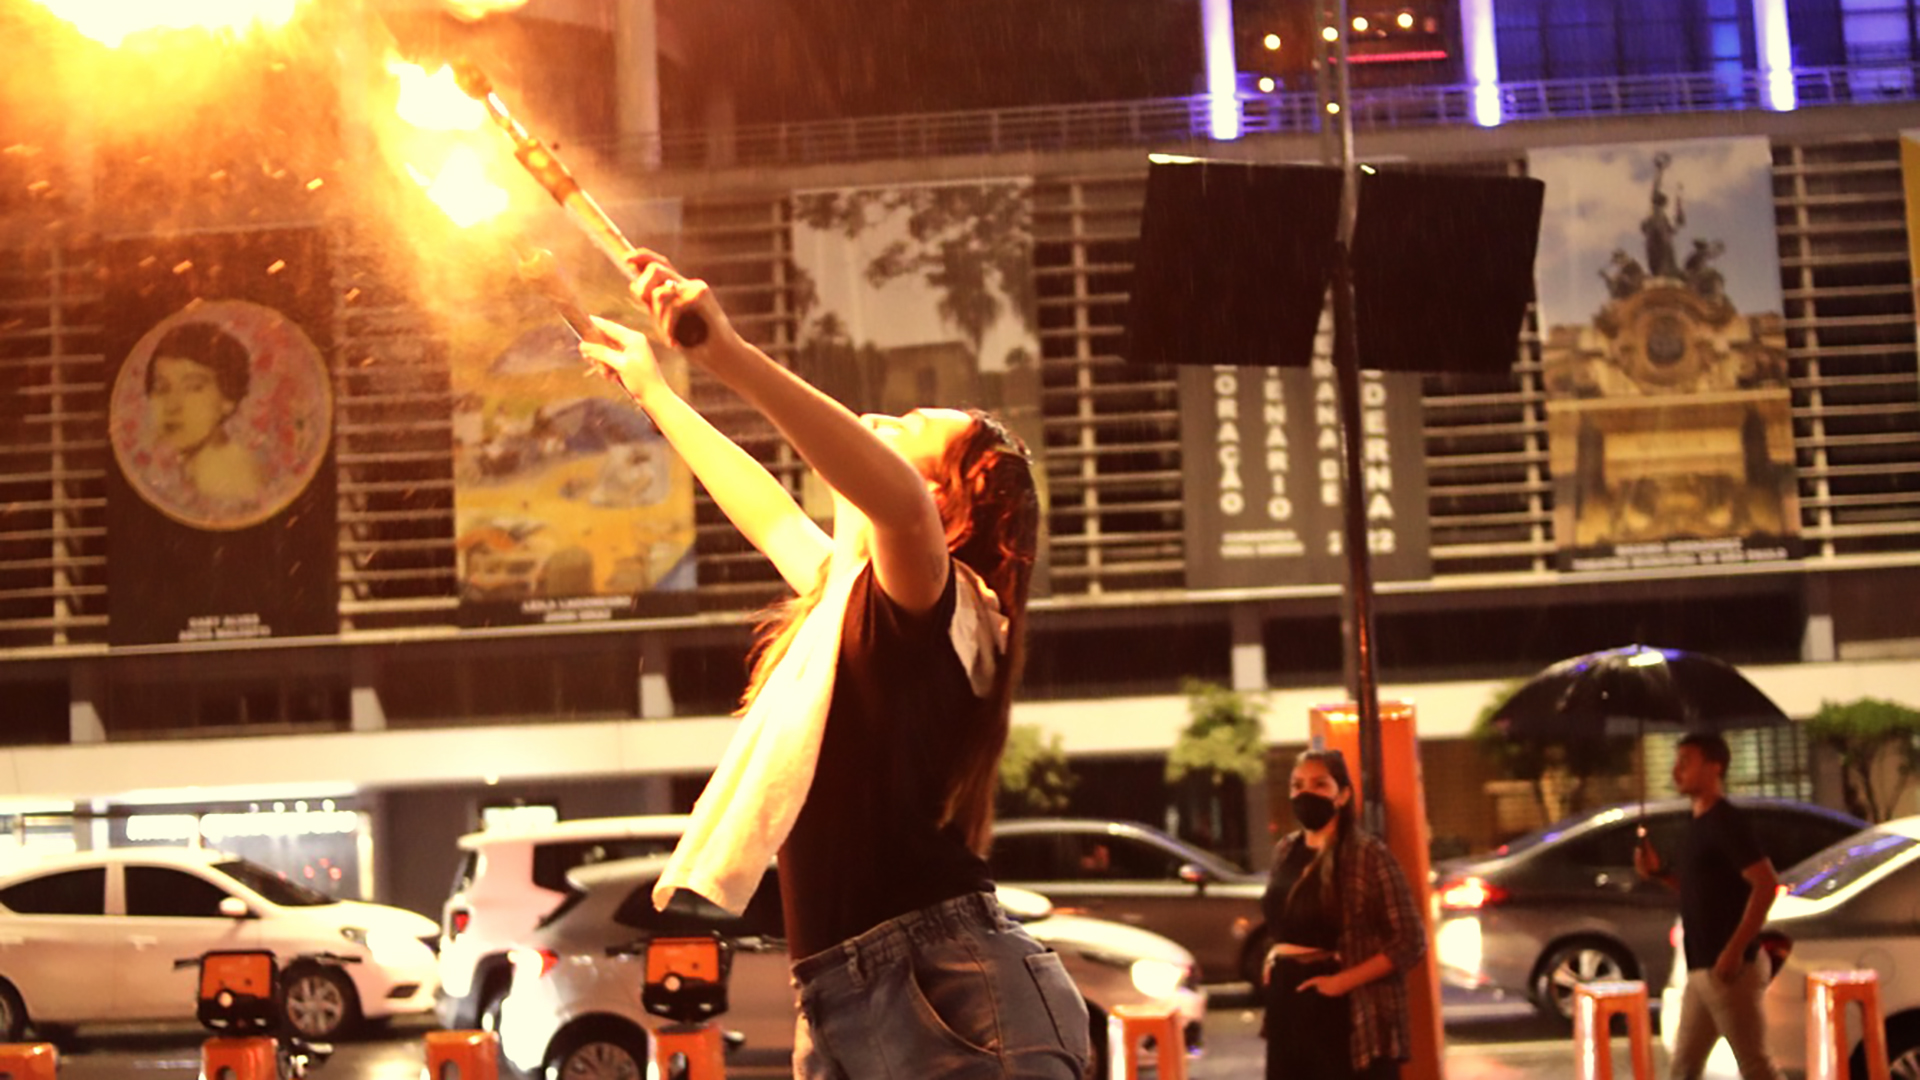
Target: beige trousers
column 1711, row 1010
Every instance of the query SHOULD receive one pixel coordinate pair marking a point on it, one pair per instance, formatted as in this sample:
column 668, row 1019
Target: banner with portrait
column 922, row 295
column 569, row 507
column 1261, row 454
column 220, row 500
column 1665, row 357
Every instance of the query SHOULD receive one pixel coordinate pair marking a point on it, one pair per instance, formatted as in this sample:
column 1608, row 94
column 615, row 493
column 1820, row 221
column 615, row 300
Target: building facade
column 415, row 709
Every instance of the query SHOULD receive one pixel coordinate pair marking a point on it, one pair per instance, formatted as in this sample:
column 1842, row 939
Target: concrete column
column 636, row 50
column 86, row 685
column 1223, row 77
column 1249, row 660
column 365, row 713
column 1817, row 640
column 1773, row 41
column 656, row 697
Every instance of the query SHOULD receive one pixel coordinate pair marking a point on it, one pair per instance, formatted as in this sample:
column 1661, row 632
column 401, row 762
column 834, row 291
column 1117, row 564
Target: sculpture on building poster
column 1669, row 416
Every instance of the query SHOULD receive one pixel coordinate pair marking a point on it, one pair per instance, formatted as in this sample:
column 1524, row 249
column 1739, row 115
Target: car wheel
column 13, row 1014
column 1903, row 1053
column 600, row 1053
column 318, row 1003
column 1571, row 964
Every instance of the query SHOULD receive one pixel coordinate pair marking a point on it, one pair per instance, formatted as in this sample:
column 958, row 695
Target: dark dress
column 1307, row 1033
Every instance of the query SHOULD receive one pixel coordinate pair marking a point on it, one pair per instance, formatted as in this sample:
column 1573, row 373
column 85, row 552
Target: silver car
column 1563, row 906
column 1140, row 876
column 573, row 1009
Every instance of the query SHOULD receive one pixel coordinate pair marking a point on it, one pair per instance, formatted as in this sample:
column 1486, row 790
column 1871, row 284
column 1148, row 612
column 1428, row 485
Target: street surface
column 1485, row 1041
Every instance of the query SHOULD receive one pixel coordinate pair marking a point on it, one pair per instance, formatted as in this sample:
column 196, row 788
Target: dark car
column 1135, row 874
column 1562, row 906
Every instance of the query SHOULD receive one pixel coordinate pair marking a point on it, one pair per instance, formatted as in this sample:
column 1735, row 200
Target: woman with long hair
column 1346, row 931
column 874, row 718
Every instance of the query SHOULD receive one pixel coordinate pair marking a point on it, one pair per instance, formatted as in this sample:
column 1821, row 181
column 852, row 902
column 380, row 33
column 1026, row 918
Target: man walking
column 1726, row 887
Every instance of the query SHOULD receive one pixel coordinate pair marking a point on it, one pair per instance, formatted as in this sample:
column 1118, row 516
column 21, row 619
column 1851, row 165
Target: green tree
column 971, row 242
column 1034, row 775
column 1864, row 733
column 1224, row 737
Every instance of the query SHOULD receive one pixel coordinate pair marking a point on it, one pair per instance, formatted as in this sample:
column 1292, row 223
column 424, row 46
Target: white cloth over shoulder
column 756, row 792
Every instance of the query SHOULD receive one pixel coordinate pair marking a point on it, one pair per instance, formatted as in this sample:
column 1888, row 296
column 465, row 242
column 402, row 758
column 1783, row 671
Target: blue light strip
column 1223, row 105
column 1774, row 42
column 1483, row 60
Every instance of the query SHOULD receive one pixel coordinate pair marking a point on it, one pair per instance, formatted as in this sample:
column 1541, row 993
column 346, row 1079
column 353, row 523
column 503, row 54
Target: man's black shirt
column 1719, row 844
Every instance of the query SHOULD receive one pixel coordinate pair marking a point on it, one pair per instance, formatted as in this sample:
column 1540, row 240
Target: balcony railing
column 1184, row 120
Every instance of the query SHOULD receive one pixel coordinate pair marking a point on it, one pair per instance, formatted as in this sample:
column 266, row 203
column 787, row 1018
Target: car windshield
column 1846, row 862
column 272, row 886
column 1558, row 829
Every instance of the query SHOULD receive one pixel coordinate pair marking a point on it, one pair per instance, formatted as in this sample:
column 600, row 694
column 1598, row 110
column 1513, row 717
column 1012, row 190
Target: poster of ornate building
column 569, row 507
column 1263, row 470
column 220, row 500
column 1665, row 362
column 922, row 295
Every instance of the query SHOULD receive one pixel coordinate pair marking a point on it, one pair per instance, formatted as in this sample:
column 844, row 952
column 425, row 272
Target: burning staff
column 551, row 174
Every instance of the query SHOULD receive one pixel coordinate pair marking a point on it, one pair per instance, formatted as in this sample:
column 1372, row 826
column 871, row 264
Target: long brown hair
column 988, row 503
column 1326, row 861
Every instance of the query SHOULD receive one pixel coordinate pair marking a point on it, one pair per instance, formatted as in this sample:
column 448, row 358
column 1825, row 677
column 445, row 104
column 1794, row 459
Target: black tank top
column 1299, row 916
column 866, row 847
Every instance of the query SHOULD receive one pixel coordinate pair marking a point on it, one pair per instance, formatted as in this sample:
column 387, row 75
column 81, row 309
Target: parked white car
column 574, row 1010
column 92, row 937
column 507, row 880
column 1853, row 906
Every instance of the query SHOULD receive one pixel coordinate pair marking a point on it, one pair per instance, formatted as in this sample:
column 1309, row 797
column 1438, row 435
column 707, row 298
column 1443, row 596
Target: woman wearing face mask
column 1346, row 930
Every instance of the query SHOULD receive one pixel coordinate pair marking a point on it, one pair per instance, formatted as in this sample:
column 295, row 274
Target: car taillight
column 457, row 922
column 1470, row 894
column 534, row 962
column 1674, row 935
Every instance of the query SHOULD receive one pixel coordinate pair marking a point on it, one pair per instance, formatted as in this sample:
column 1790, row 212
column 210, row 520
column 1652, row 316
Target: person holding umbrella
column 1726, row 887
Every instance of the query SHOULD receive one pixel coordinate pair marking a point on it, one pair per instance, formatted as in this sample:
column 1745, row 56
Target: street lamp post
column 1360, row 660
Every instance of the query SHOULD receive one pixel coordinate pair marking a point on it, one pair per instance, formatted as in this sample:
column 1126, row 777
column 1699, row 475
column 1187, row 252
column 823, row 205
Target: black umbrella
column 1629, row 691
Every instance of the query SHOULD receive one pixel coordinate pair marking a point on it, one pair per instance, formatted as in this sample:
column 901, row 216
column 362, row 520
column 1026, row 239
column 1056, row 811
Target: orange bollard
column 463, row 1055
column 691, row 1051
column 1129, row 1025
column 28, row 1061
column 1595, row 1004
column 1828, row 994
column 246, row 1057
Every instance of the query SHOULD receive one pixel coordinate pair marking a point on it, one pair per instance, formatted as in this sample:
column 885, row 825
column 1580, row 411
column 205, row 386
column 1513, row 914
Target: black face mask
column 1313, row 810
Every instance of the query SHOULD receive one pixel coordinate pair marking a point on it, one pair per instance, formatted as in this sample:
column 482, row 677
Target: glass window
column 71, row 892
column 1135, row 860
column 1846, row 862
column 272, row 885
column 551, row 862
column 1031, row 857
column 164, row 891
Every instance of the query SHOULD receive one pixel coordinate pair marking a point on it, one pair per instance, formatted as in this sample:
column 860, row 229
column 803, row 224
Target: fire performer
column 874, row 718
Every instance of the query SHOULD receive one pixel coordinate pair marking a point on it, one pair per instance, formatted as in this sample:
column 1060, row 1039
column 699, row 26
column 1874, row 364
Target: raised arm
column 909, row 545
column 757, row 504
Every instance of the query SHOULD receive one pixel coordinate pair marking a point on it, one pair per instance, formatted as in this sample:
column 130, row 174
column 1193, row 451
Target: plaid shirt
column 1377, row 917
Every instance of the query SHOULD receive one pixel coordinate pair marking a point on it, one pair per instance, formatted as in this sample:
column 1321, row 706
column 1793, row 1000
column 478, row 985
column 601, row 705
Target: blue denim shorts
column 953, row 990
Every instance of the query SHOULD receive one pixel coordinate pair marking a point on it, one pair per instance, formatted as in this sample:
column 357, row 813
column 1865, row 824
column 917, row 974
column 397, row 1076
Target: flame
column 434, row 102
column 462, row 189
column 475, row 10
column 111, row 22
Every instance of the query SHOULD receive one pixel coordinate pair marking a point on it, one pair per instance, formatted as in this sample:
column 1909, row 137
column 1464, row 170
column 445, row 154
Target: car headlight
column 1158, row 978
